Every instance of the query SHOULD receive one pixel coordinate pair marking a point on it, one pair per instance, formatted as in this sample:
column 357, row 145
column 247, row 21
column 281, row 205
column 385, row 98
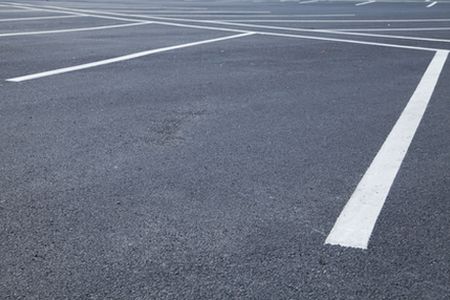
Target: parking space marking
column 356, row 222
column 365, row 3
column 308, row 1
column 253, row 26
column 337, row 20
column 385, row 36
column 39, row 18
column 16, row 10
column 394, row 29
column 123, row 58
column 74, row 29
column 261, row 17
column 79, row 13
column 166, row 21
column 432, row 4
column 244, row 12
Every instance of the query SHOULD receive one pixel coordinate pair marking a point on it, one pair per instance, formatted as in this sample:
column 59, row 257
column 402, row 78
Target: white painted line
column 330, row 32
column 215, row 12
column 309, row 1
column 339, row 20
column 165, row 21
column 394, row 29
column 308, row 37
column 39, row 18
column 73, row 29
column 432, row 4
column 16, row 10
column 386, row 36
column 33, row 8
column 260, row 17
column 355, row 224
column 77, row 13
column 364, row 3
column 123, row 58
column 95, row 13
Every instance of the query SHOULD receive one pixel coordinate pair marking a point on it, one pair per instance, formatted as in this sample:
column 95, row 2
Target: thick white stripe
column 431, row 4
column 72, row 29
column 122, row 58
column 355, row 224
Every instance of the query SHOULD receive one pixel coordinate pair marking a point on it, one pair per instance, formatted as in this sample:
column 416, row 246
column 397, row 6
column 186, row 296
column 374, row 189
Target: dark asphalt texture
column 217, row 171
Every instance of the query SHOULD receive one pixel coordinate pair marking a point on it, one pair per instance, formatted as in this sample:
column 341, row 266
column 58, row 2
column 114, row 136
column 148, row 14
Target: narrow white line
column 364, row 3
column 309, row 1
column 432, row 4
column 165, row 21
column 386, row 36
column 260, row 17
column 355, row 224
column 16, row 10
column 244, row 12
column 77, row 13
column 123, row 58
column 73, row 29
column 342, row 21
column 33, row 8
column 39, row 18
column 401, row 37
column 308, row 37
column 393, row 29
column 97, row 12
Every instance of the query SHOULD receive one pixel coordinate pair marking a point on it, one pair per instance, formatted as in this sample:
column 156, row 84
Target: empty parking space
column 224, row 149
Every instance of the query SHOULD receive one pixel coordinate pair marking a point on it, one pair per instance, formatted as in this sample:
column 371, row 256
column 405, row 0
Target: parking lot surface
column 224, row 150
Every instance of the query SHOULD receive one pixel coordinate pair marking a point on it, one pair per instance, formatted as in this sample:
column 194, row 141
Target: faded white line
column 364, row 3
column 432, row 4
column 123, row 58
column 39, row 18
column 73, row 29
column 355, row 224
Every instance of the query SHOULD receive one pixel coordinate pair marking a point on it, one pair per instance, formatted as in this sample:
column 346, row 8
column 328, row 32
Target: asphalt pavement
column 224, row 149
